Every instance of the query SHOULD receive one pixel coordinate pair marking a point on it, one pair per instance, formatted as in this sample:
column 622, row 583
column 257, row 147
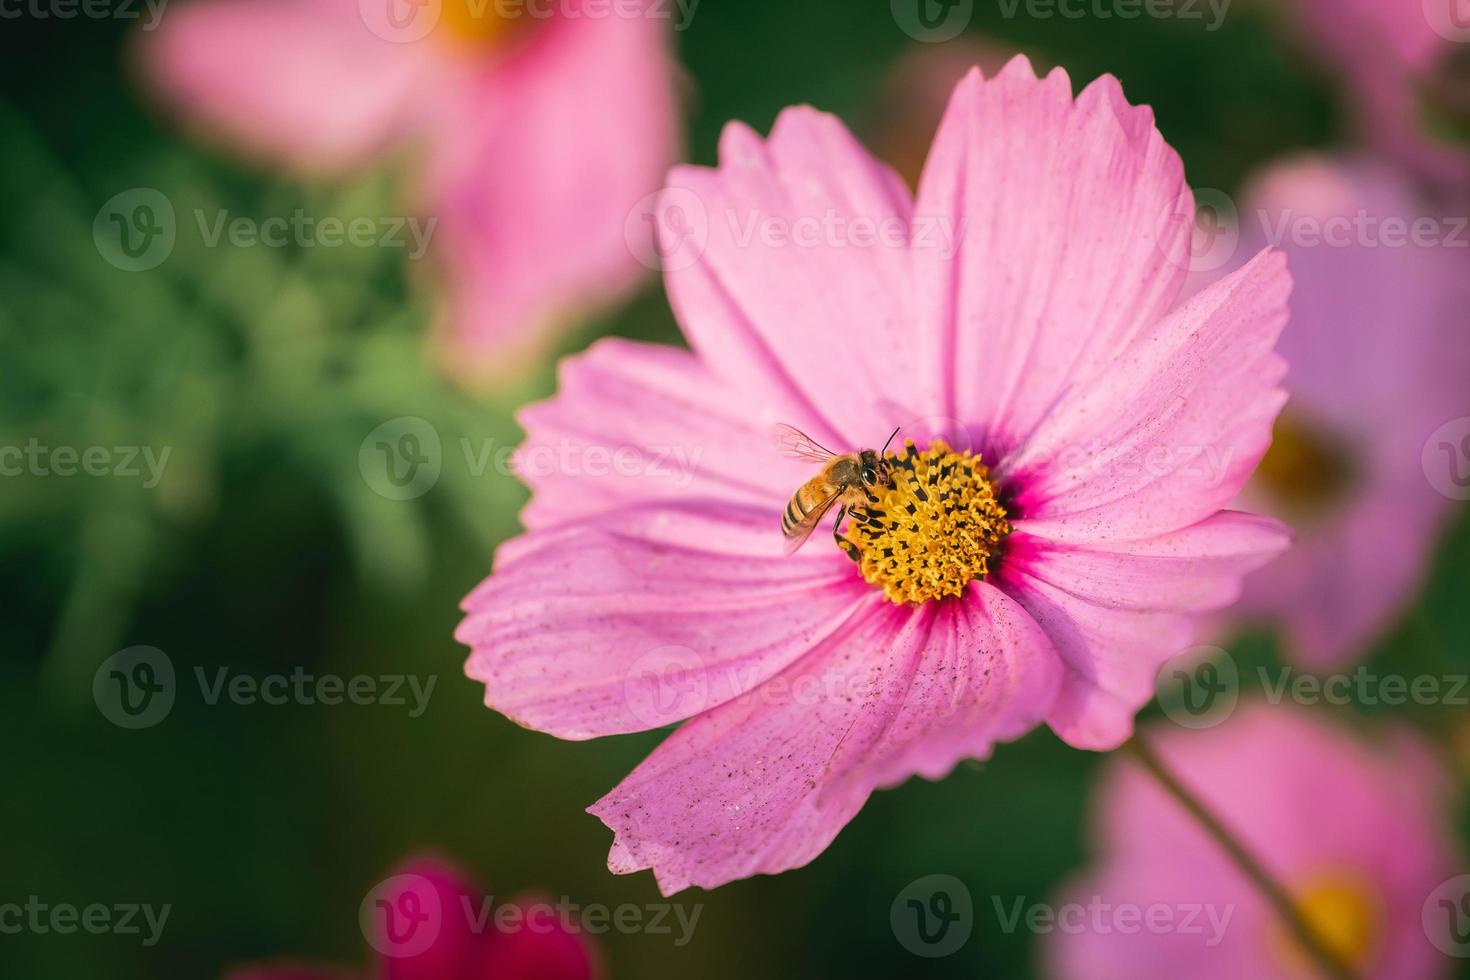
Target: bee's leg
column 845, row 546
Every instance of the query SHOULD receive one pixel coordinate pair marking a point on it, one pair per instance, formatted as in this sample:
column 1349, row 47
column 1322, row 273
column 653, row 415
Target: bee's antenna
column 886, row 444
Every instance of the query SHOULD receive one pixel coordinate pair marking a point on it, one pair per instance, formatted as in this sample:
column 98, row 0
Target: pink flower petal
column 1071, row 213
column 302, row 82
column 798, row 300
column 1172, row 431
column 658, row 613
column 1379, row 355
column 764, row 783
column 456, row 944
column 1305, row 799
column 532, row 217
column 642, row 422
column 541, row 949
column 1116, row 615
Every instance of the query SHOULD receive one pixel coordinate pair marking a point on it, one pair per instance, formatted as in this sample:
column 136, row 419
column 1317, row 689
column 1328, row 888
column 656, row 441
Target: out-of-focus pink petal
column 1170, row 433
column 1073, row 227
column 299, row 82
column 636, row 423
column 1378, row 355
column 456, row 944
column 1305, row 800
column 1116, row 615
column 1390, row 52
column 799, row 298
column 763, row 784
column 542, row 948
column 648, row 615
column 534, row 195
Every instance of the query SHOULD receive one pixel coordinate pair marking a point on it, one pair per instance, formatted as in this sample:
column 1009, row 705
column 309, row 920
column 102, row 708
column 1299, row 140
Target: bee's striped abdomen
column 810, row 495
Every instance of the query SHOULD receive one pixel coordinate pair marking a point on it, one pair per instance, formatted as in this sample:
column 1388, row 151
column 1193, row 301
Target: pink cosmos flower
column 427, row 921
column 1045, row 543
column 1379, row 355
column 500, row 113
column 1355, row 834
column 1407, row 65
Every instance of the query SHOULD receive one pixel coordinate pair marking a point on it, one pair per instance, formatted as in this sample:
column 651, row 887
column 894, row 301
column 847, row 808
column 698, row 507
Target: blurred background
column 266, row 542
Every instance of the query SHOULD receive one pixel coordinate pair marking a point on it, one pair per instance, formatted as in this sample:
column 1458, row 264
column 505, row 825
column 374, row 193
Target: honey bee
column 846, row 479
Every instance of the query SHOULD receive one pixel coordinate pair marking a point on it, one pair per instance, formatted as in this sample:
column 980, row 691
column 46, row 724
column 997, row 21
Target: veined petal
column 1074, row 218
column 801, row 297
column 1116, row 615
column 764, row 783
column 1172, row 431
column 635, row 423
column 646, row 616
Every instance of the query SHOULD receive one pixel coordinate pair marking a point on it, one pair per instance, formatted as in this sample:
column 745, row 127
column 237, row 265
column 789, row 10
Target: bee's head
column 875, row 469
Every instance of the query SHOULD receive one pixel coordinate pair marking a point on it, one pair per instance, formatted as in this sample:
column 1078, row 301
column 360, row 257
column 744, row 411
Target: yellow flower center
column 478, row 23
column 933, row 531
column 1343, row 910
column 1304, row 469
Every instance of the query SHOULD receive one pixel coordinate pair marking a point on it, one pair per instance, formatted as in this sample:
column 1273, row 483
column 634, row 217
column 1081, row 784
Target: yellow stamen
column 477, row 23
column 1304, row 469
column 933, row 531
column 1343, row 909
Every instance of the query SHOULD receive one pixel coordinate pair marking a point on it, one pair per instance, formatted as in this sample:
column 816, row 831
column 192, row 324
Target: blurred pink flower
column 1407, row 66
column 1379, row 355
column 651, row 586
column 1357, row 834
column 501, row 116
column 434, row 924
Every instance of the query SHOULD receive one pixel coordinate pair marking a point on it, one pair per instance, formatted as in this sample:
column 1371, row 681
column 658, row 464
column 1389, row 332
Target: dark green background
column 264, row 549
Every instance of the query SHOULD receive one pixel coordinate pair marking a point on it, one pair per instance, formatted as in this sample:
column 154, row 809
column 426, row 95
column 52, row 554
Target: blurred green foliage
column 264, row 548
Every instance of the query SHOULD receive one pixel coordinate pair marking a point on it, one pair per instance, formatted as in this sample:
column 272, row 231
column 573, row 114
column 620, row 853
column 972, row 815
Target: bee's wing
column 803, row 529
column 798, row 445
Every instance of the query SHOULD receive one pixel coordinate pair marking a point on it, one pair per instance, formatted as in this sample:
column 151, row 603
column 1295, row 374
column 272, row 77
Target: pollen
column 937, row 528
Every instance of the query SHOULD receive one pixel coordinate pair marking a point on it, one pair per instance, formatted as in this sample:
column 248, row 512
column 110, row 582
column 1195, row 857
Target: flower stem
column 1276, row 895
